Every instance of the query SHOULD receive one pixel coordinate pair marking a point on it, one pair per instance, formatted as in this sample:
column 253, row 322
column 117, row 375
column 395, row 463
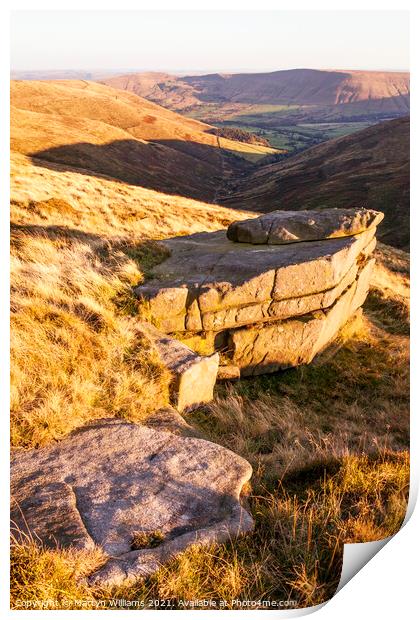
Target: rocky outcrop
column 192, row 376
column 292, row 226
column 143, row 494
column 229, row 373
column 268, row 304
column 269, row 347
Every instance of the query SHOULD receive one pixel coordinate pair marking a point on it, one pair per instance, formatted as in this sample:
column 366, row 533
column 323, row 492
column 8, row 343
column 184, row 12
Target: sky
column 207, row 41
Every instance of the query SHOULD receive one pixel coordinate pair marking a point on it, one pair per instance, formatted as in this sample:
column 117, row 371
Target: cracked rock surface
column 210, row 283
column 111, row 480
column 278, row 227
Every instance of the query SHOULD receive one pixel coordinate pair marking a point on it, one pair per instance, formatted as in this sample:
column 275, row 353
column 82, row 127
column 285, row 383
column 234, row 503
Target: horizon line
column 200, row 71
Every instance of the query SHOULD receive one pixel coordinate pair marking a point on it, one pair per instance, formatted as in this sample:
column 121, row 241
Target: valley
column 370, row 167
column 293, row 109
column 109, row 132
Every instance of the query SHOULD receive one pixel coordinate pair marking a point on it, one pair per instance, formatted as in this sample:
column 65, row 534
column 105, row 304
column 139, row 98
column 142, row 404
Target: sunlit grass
column 294, row 554
column 328, row 442
column 76, row 354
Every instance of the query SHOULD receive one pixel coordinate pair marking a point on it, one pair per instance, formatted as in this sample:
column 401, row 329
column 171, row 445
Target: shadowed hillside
column 97, row 128
column 369, row 168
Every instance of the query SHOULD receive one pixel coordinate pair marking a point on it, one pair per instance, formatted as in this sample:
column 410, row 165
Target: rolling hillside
column 96, row 128
column 79, row 244
column 60, row 198
column 369, row 168
column 291, row 110
column 296, row 86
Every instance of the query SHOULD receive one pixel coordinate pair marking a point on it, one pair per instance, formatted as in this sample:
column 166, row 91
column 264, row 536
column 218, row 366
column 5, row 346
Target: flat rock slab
column 113, row 483
column 193, row 375
column 207, row 277
column 279, row 227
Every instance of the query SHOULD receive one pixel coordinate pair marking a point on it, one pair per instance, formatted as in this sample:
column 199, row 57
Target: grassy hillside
column 96, row 128
column 296, row 86
column 369, row 168
column 78, row 245
column 328, row 442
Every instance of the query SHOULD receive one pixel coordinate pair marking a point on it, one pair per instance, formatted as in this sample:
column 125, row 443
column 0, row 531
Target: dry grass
column 76, row 354
column 78, row 246
column 293, row 555
column 46, row 579
column 328, row 442
column 329, row 448
column 43, row 197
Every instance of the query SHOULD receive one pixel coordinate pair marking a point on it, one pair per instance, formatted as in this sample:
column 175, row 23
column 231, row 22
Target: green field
column 212, row 112
column 294, row 138
column 286, row 127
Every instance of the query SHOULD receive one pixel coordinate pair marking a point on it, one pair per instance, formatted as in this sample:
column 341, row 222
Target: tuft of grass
column 50, row 579
column 147, row 540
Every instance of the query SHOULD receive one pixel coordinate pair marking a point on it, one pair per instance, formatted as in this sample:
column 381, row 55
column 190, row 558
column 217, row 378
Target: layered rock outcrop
column 271, row 303
column 148, row 492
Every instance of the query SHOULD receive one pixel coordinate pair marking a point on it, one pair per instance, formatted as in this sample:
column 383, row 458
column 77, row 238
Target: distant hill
column 102, row 131
column 292, row 87
column 108, row 132
column 369, row 168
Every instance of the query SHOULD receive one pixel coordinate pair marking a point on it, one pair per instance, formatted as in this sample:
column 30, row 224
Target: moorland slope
column 368, row 168
column 328, row 442
column 105, row 131
column 296, row 86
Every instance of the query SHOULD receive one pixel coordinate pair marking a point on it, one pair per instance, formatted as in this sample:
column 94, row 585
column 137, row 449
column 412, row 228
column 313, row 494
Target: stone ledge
column 207, row 278
column 282, row 227
column 113, row 479
column 270, row 347
column 193, row 375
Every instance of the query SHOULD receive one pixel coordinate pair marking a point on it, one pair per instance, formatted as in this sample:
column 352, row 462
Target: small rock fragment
column 193, row 375
column 228, row 373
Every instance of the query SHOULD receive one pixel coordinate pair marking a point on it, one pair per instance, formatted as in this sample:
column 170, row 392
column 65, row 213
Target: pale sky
column 209, row 41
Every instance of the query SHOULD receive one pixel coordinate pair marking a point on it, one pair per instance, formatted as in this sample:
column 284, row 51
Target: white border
column 385, row 587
